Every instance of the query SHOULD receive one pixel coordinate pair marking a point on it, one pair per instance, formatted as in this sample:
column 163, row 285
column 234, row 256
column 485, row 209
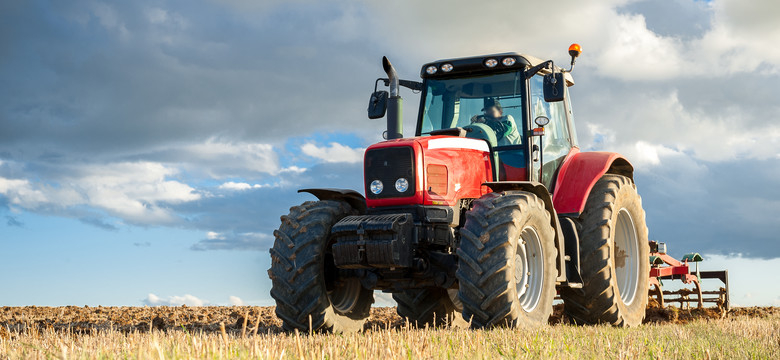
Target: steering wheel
column 482, row 131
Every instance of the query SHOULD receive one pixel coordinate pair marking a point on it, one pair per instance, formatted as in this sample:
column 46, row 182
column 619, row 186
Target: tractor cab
column 496, row 98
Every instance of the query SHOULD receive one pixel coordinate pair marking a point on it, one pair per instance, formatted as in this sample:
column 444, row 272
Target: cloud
column 743, row 36
column 222, row 159
column 12, row 221
column 237, row 218
column 334, row 152
column 238, row 186
column 696, row 206
column 180, row 114
column 233, row 241
column 675, row 124
column 636, row 53
column 187, row 299
column 236, row 301
column 137, row 192
column 98, row 222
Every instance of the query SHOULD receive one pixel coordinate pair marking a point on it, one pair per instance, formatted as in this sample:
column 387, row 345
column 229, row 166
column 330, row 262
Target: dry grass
column 737, row 336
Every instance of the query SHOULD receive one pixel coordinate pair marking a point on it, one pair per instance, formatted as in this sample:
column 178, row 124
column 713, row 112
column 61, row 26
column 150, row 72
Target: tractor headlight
column 376, row 187
column 431, row 69
column 491, row 63
column 401, row 185
column 446, row 67
column 508, row 61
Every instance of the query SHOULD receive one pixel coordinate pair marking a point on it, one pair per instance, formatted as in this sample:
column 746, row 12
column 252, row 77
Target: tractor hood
column 429, row 170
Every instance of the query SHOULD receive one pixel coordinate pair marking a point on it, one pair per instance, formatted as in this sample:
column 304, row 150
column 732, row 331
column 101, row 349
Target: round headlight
column 401, row 185
column 508, row 61
column 376, row 187
column 446, row 67
column 491, row 63
column 431, row 69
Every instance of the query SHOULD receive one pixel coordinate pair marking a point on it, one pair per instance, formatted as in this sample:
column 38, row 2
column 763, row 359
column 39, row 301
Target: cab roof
column 474, row 65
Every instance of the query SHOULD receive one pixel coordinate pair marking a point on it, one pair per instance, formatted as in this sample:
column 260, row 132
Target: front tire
column 310, row 292
column 506, row 267
column 428, row 306
column 614, row 252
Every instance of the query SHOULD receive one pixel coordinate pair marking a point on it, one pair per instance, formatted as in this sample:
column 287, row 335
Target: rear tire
column 506, row 261
column 310, row 292
column 428, row 306
column 614, row 253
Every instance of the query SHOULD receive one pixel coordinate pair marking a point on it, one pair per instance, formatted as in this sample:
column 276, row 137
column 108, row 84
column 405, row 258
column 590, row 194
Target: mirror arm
column 534, row 70
column 409, row 84
column 412, row 85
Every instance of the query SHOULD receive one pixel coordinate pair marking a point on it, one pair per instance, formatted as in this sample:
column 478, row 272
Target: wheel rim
column 529, row 269
column 345, row 295
column 626, row 257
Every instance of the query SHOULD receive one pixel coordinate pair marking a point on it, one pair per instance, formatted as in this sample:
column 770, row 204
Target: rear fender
column 539, row 190
column 352, row 197
column 578, row 175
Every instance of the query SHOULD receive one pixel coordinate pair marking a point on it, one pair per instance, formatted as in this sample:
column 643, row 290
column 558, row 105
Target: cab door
column 557, row 141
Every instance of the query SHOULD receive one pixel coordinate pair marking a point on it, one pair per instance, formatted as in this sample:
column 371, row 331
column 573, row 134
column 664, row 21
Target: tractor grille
column 388, row 165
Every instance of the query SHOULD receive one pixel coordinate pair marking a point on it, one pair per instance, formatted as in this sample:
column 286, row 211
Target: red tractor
column 488, row 212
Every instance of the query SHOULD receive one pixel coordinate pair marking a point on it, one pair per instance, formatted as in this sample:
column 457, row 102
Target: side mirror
column 377, row 106
column 554, row 87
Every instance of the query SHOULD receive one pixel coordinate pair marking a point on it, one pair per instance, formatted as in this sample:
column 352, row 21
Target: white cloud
column 220, row 159
column 635, row 53
column 298, row 170
column 213, row 235
column 233, row 241
column 238, row 186
column 20, row 192
column 334, row 152
column 133, row 191
column 187, row 299
column 236, row 301
column 646, row 129
column 743, row 37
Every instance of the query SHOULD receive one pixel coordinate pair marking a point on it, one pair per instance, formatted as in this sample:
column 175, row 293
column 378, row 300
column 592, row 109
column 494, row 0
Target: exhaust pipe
column 394, row 104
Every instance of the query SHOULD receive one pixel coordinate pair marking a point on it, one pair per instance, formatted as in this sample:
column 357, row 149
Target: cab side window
column 556, row 140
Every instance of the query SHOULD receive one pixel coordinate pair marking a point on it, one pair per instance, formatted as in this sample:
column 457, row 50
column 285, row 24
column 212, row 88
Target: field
column 254, row 332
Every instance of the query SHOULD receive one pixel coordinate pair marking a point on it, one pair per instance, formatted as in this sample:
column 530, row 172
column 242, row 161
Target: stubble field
column 255, row 332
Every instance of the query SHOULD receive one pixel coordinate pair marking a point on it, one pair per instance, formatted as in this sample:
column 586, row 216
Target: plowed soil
column 238, row 319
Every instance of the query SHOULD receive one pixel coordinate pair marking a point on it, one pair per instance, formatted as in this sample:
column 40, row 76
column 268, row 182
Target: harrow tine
column 723, row 293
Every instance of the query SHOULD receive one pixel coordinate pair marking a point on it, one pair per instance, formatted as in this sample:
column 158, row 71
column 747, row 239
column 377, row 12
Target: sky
column 148, row 148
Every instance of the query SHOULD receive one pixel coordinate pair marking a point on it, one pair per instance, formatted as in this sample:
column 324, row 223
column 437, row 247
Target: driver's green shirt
column 512, row 135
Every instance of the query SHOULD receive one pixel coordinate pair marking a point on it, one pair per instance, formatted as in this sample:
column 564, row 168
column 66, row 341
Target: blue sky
column 148, row 148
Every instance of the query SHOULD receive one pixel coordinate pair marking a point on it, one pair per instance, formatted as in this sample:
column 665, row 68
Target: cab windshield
column 460, row 102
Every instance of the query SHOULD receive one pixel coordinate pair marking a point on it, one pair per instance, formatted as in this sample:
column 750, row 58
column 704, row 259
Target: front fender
column 578, row 175
column 352, row 197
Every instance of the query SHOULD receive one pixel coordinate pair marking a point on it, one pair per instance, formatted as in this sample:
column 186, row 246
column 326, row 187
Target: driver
column 504, row 125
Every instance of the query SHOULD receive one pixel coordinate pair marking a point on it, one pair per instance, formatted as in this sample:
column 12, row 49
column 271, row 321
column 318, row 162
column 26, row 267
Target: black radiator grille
column 388, row 165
